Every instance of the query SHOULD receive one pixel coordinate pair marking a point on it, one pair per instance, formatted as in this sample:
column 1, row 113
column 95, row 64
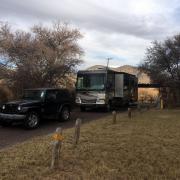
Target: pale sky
column 119, row 29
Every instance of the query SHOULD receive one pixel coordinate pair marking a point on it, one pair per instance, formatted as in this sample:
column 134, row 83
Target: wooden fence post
column 114, row 117
column 129, row 113
column 161, row 103
column 57, row 144
column 77, row 131
column 139, row 108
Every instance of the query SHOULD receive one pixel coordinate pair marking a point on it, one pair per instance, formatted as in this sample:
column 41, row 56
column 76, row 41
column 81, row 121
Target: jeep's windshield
column 33, row 94
column 90, row 82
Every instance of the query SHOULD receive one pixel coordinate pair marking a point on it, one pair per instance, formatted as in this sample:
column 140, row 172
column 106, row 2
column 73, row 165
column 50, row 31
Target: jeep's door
column 51, row 103
column 63, row 97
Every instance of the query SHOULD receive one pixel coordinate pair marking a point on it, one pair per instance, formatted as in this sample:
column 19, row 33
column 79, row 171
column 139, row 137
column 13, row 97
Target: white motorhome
column 105, row 87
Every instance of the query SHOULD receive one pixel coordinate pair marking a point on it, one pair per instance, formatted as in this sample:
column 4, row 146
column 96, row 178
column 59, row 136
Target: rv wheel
column 108, row 107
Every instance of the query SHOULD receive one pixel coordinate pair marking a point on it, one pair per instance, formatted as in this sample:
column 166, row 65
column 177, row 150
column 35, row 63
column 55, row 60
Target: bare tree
column 162, row 63
column 38, row 58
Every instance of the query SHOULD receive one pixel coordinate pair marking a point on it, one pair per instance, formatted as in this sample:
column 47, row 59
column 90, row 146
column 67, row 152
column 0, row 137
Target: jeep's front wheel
column 65, row 114
column 32, row 120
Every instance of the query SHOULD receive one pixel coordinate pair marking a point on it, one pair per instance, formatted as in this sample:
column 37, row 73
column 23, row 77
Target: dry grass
column 146, row 147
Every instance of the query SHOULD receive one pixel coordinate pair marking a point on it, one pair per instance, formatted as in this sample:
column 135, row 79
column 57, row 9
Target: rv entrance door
column 119, row 83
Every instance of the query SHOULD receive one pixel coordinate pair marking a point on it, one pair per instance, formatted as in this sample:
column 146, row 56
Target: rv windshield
column 90, row 82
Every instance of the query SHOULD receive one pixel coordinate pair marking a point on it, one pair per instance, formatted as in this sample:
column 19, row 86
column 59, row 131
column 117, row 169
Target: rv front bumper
column 93, row 105
column 100, row 102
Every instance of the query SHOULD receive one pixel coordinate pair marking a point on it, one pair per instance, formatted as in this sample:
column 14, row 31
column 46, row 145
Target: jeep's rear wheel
column 32, row 120
column 65, row 113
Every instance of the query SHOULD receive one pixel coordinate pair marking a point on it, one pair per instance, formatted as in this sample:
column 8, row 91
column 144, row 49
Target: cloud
column 124, row 49
column 117, row 28
column 89, row 15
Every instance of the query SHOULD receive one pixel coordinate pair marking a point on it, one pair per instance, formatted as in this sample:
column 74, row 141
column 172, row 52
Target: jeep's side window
column 62, row 95
column 51, row 96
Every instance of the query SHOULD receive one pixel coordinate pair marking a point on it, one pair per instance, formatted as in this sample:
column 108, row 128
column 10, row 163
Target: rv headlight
column 78, row 100
column 100, row 101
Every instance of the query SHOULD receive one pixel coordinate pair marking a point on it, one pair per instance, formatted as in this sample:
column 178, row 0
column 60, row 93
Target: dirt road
column 16, row 134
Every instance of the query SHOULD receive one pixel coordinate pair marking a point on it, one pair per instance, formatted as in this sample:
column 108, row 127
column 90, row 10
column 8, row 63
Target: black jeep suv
column 35, row 105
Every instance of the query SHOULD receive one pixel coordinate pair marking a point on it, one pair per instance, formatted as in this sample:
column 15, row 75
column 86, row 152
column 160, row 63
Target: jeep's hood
column 24, row 102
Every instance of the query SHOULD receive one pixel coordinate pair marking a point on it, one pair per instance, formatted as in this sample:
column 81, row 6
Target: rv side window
column 110, row 81
column 80, row 82
column 126, row 82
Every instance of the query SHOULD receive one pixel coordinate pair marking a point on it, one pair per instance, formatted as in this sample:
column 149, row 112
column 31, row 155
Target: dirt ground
column 16, row 134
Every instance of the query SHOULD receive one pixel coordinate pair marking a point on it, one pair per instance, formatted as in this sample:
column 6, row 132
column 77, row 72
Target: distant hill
column 96, row 67
column 128, row 69
column 142, row 77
